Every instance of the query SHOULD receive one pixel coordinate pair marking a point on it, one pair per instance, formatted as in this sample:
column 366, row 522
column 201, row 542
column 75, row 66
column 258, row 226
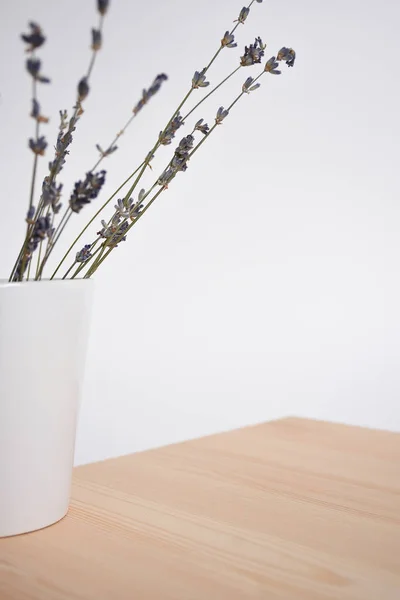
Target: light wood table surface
column 293, row 509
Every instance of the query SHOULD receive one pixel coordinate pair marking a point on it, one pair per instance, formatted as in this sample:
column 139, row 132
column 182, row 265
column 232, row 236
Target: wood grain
column 292, row 510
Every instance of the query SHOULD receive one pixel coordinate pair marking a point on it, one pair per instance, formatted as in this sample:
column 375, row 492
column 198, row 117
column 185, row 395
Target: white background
column 265, row 281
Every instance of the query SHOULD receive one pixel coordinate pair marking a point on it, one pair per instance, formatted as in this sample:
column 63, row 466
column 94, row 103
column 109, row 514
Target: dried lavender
column 228, row 40
column 36, row 114
column 181, row 154
column 178, row 162
column 119, row 235
column 253, row 53
column 41, row 229
column 83, row 89
column 199, row 79
column 51, row 194
column 38, row 146
column 166, row 177
column 221, row 115
column 126, row 209
column 288, row 55
column 107, row 231
column 107, row 152
column 244, row 13
column 166, row 137
column 33, row 67
column 35, row 38
column 248, row 86
column 201, row 126
column 102, row 6
column 84, row 255
column 87, row 190
column 29, row 215
column 270, row 66
column 63, row 142
column 114, row 232
column 147, row 94
column 96, row 39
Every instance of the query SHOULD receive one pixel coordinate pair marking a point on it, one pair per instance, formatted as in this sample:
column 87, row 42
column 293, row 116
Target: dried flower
column 107, row 152
column 181, row 154
column 51, row 194
column 38, row 146
column 137, row 207
column 166, row 177
column 149, row 158
column 96, row 39
column 113, row 233
column 119, row 235
column 84, row 255
column 247, row 87
column 127, row 208
column 30, row 215
column 35, row 38
column 85, row 191
column 288, row 55
column 228, row 40
column 199, row 79
column 35, row 114
column 147, row 94
column 166, row 137
column 123, row 207
column 42, row 229
column 107, row 230
column 63, row 141
column 253, row 53
column 102, row 6
column 33, row 67
column 221, row 115
column 244, row 13
column 203, row 127
column 270, row 66
column 63, row 120
column 83, row 88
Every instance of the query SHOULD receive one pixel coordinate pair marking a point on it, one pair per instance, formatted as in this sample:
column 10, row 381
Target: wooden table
column 294, row 509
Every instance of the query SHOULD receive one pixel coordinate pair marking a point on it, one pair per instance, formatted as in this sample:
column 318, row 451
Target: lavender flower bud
column 244, row 13
column 221, row 115
column 102, row 6
column 253, row 53
column 96, row 39
column 270, row 66
column 83, row 88
column 35, row 114
column 199, row 79
column 228, row 40
column 38, row 146
column 30, row 214
column 166, row 177
column 147, row 94
column 33, row 66
column 247, row 87
column 35, row 39
column 84, row 255
column 85, row 191
column 203, row 127
column 288, row 55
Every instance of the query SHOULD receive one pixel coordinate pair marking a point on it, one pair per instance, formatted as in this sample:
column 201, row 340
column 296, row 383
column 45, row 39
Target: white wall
column 265, row 281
